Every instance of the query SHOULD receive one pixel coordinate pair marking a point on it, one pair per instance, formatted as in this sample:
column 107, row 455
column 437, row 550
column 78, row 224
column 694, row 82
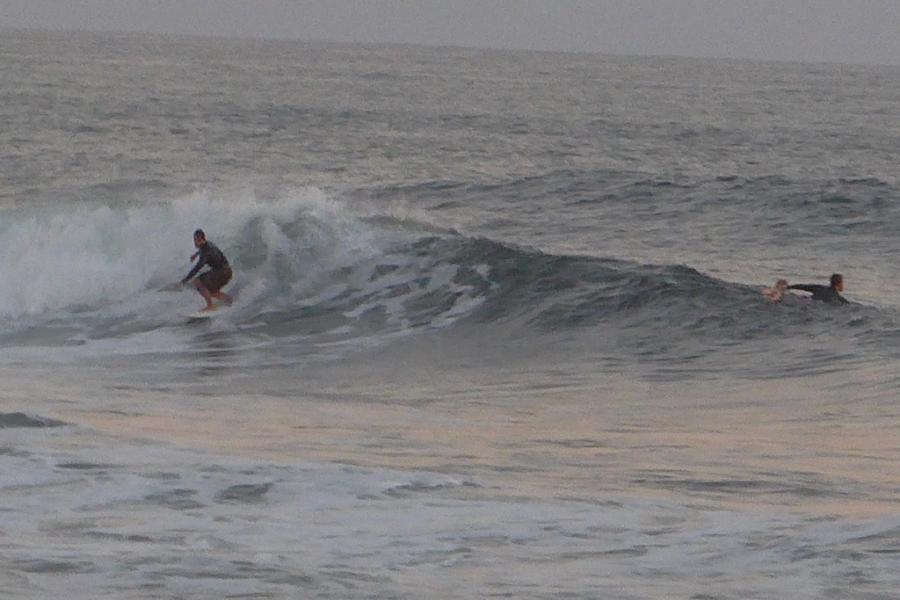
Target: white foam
column 93, row 256
column 85, row 283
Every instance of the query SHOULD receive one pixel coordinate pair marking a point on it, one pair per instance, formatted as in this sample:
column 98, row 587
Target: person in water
column 209, row 283
column 776, row 292
column 826, row 293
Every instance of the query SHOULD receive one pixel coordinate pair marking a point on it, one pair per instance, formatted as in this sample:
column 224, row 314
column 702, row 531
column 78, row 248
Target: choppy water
column 498, row 328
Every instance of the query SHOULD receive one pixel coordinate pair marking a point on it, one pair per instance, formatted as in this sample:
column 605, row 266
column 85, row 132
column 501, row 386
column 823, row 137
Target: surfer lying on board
column 826, row 293
column 209, row 283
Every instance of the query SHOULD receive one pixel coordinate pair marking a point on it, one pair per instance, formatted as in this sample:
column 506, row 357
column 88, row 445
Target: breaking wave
column 313, row 273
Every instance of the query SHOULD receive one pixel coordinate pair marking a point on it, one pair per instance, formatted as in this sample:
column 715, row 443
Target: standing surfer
column 209, row 283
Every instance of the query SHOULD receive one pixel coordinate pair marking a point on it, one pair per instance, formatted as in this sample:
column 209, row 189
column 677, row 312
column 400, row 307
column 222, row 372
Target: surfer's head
column 837, row 282
column 199, row 238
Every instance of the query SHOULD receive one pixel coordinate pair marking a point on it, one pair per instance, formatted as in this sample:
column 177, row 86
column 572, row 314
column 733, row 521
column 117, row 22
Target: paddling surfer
column 826, row 293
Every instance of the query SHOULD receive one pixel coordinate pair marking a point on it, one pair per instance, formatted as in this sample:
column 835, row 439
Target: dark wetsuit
column 219, row 270
column 821, row 292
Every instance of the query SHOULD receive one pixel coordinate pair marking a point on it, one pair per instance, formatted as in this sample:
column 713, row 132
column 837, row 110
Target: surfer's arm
column 194, row 271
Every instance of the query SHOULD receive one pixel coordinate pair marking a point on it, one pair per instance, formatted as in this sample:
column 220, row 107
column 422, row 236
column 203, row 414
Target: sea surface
column 498, row 328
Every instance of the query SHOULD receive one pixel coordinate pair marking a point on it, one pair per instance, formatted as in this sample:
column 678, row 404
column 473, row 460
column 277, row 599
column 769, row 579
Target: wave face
column 17, row 419
column 91, row 278
column 315, row 278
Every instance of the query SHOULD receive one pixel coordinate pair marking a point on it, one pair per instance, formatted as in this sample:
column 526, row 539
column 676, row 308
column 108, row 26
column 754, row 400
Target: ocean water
column 498, row 328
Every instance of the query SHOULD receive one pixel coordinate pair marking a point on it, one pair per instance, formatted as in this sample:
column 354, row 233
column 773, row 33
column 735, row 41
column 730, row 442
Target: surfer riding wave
column 210, row 283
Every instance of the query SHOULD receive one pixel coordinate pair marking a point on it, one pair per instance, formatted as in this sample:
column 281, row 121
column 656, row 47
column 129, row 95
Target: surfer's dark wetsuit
column 823, row 293
column 219, row 270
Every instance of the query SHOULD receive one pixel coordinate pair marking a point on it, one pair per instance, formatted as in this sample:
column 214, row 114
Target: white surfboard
column 200, row 315
column 206, row 315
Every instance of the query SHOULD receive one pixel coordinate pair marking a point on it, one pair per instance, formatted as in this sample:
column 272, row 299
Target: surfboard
column 205, row 315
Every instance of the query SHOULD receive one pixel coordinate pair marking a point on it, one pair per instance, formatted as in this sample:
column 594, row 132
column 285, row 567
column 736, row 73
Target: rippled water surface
column 498, row 328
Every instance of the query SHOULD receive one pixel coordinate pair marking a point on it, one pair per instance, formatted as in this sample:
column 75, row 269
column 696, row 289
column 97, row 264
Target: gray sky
column 866, row 31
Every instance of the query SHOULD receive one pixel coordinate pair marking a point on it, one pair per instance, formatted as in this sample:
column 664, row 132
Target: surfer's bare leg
column 220, row 295
column 205, row 293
